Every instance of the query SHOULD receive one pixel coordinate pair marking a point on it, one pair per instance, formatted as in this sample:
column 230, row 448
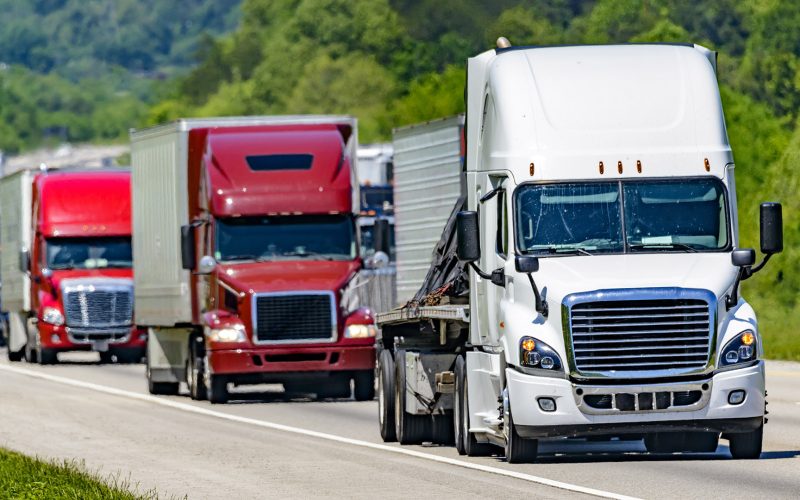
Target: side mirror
column 380, row 237
column 207, row 265
column 25, row 260
column 771, row 228
column 188, row 257
column 378, row 260
column 468, row 239
column 743, row 257
column 526, row 264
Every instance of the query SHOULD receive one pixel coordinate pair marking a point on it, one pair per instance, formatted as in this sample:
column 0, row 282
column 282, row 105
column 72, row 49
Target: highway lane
column 206, row 456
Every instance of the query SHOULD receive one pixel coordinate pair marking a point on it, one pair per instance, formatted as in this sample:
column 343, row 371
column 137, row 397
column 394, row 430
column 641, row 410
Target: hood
column 561, row 276
column 282, row 276
column 60, row 276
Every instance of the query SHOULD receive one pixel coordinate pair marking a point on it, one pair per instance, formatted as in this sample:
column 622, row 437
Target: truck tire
column 160, row 388
column 409, row 429
column 47, row 356
column 681, row 442
column 106, row 358
column 30, row 353
column 217, row 389
column 195, row 373
column 386, row 396
column 364, row 385
column 335, row 387
column 466, row 444
column 746, row 445
column 519, row 450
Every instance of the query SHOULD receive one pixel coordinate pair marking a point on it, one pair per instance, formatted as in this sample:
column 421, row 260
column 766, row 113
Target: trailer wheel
column 364, row 385
column 217, row 389
column 519, row 450
column 409, row 429
column 466, row 444
column 386, row 396
column 47, row 356
column 160, row 388
column 747, row 445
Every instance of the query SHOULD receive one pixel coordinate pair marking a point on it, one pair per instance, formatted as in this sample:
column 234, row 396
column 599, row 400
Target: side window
column 502, row 224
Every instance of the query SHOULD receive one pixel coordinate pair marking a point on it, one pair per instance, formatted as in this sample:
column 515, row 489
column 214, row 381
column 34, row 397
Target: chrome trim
column 254, row 318
column 230, row 289
column 633, row 294
column 613, row 390
column 88, row 332
column 89, row 285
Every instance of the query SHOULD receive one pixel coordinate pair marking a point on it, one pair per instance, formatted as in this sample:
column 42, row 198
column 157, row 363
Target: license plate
column 100, row 345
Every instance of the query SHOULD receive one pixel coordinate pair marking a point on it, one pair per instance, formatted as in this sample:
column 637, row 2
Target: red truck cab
column 76, row 266
column 270, row 244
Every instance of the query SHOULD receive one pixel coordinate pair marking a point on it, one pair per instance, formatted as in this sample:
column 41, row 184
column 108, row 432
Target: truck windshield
column 680, row 215
column 327, row 237
column 88, row 253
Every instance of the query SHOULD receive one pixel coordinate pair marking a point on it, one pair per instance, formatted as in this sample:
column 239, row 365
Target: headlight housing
column 53, row 316
column 233, row 333
column 360, row 331
column 741, row 349
column 533, row 353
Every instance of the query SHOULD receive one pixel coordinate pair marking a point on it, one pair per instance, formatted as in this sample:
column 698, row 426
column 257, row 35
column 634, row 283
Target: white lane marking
column 320, row 435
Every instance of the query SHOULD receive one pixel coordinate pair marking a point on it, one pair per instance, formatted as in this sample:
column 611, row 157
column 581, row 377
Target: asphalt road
column 265, row 445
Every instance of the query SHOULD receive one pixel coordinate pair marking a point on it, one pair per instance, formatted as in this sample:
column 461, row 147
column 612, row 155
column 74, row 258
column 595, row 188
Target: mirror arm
column 491, row 194
column 541, row 305
column 759, row 267
column 479, row 272
column 733, row 299
column 497, row 277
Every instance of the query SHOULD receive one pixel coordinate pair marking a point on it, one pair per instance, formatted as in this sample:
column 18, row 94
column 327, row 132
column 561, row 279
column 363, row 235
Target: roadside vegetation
column 24, row 478
column 395, row 62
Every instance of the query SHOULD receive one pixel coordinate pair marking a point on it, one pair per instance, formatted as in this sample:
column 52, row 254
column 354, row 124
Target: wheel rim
column 457, row 419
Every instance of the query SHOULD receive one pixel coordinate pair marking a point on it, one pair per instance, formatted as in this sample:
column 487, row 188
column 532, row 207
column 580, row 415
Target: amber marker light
column 602, row 168
column 748, row 338
column 707, row 164
column 528, row 345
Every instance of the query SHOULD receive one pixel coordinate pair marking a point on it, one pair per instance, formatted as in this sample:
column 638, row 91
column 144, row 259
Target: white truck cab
column 601, row 242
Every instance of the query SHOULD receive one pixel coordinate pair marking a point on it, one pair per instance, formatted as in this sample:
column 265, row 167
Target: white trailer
column 593, row 286
column 15, row 239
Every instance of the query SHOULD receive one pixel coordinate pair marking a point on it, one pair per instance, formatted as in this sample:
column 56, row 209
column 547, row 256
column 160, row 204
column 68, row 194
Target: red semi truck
column 66, row 265
column 246, row 256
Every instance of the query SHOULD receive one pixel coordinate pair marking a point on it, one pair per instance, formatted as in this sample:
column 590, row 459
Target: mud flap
column 17, row 335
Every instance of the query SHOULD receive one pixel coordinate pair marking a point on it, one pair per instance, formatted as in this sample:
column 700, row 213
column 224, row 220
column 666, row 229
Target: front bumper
column 269, row 360
column 63, row 338
column 573, row 419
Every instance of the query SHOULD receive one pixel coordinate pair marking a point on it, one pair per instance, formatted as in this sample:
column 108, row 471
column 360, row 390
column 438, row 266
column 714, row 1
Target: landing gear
column 466, row 444
column 160, row 388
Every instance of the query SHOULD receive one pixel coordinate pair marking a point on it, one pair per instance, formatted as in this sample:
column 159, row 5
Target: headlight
column 741, row 349
column 360, row 331
column 229, row 334
column 533, row 353
column 53, row 316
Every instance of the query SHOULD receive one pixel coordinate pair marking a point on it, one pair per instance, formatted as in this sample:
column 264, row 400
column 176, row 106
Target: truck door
column 494, row 249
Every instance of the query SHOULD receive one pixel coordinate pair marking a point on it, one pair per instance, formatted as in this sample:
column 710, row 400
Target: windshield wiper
column 669, row 246
column 239, row 257
column 568, row 250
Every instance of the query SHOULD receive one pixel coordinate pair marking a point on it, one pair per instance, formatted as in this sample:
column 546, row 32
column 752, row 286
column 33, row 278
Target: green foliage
column 25, row 478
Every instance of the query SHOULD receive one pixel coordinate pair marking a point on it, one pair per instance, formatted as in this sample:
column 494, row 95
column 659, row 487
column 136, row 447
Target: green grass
column 23, row 477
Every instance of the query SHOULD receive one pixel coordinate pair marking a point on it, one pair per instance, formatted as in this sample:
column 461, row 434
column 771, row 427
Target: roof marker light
column 707, row 165
column 532, row 169
column 619, row 166
column 602, row 169
column 639, row 166
column 503, row 43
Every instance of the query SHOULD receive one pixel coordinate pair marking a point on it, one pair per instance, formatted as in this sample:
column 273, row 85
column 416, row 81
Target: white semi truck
column 587, row 282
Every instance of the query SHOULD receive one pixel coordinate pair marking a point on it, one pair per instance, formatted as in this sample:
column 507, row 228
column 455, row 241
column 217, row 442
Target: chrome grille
column 294, row 317
column 98, row 305
column 649, row 335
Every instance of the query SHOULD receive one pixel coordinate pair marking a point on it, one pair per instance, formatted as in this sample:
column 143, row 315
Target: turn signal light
column 748, row 338
column 528, row 345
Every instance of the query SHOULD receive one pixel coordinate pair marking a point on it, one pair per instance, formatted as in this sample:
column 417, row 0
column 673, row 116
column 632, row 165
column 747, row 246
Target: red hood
column 59, row 276
column 282, row 276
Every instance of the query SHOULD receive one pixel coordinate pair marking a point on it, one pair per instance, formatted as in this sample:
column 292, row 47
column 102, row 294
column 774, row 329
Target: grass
column 24, row 478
